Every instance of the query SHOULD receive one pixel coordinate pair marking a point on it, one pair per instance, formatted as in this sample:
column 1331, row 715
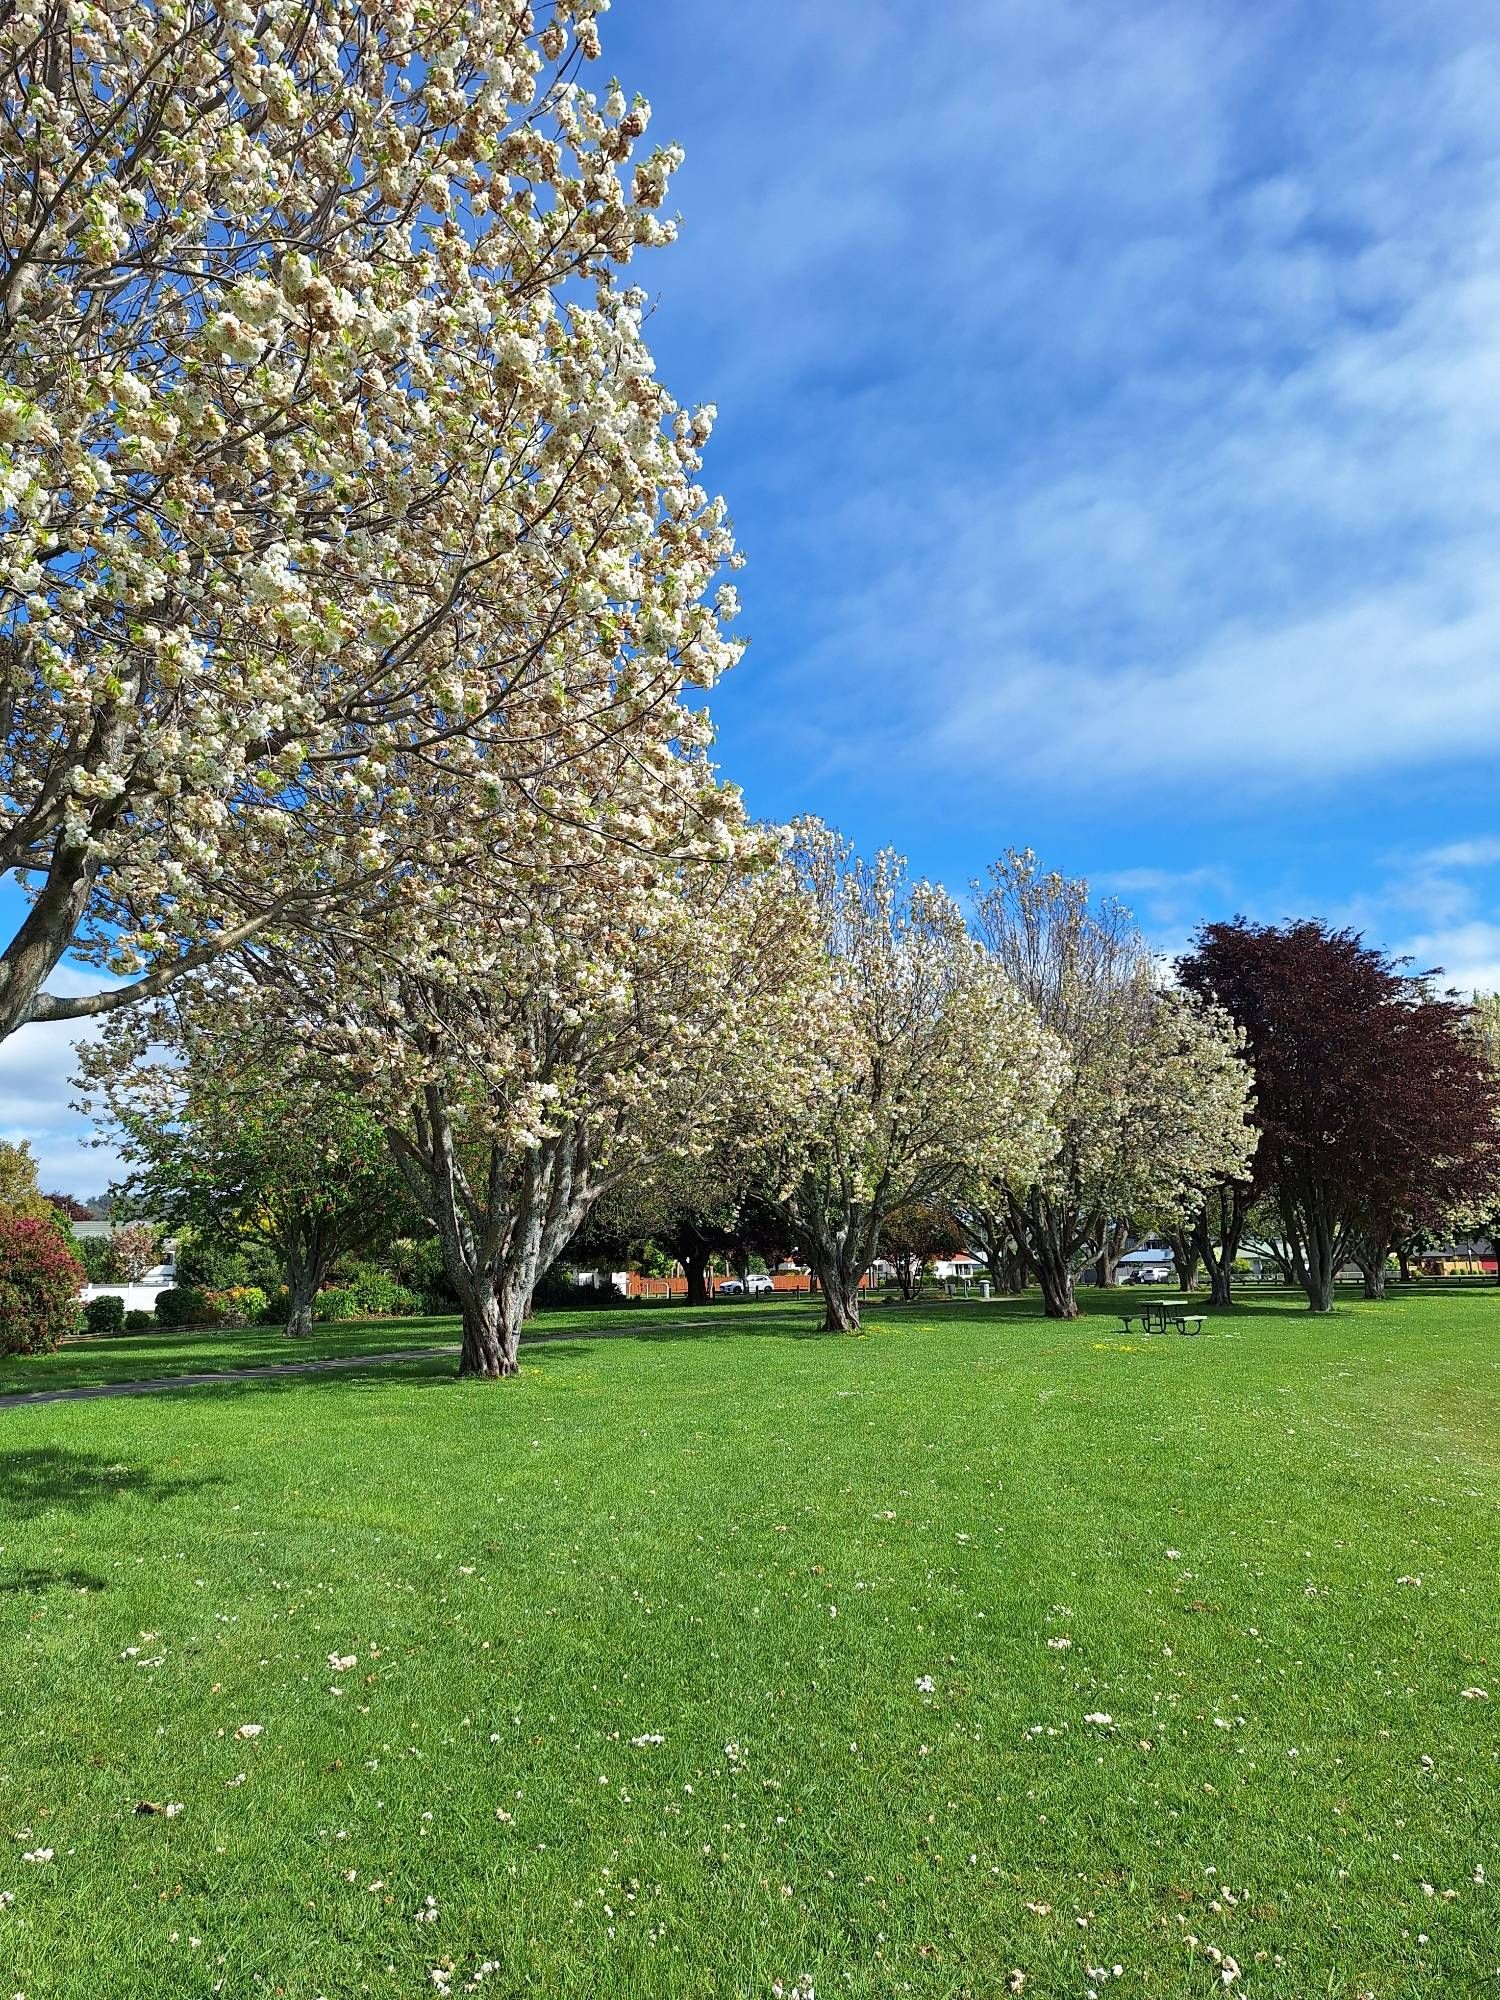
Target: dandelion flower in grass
column 1060, row 1644
column 926, row 1684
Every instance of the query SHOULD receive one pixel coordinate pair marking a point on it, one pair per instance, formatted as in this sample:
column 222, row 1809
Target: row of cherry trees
column 357, row 594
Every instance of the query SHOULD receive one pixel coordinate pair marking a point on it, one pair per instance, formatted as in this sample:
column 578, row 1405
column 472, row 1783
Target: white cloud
column 1168, row 899
column 1483, row 853
column 1468, row 953
column 1134, row 379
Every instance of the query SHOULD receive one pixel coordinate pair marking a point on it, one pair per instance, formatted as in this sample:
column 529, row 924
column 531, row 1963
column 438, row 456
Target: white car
column 757, row 1281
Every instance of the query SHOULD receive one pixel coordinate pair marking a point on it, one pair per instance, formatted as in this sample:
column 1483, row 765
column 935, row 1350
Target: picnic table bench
column 1162, row 1311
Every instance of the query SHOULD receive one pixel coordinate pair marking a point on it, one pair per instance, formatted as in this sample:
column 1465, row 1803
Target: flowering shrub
column 235, row 1305
column 106, row 1314
column 39, row 1285
column 136, row 1247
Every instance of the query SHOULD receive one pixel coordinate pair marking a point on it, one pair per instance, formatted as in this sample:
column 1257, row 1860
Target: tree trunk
column 1314, row 1253
column 1216, row 1237
column 1371, row 1259
column 491, row 1335
column 1111, row 1250
column 1052, row 1238
column 1403, row 1262
column 909, row 1277
column 1012, row 1270
column 1059, row 1300
column 695, row 1268
column 305, row 1271
column 1184, row 1260
column 495, row 1245
column 840, row 1299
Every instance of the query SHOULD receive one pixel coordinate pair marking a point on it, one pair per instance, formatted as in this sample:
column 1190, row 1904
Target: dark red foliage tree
column 1374, row 1113
column 70, row 1206
column 40, row 1281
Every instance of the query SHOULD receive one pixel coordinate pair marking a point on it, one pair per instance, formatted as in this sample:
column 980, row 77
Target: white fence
column 138, row 1298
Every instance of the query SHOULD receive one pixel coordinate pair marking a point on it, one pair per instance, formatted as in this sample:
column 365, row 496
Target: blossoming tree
column 926, row 1066
column 1155, row 1097
column 544, row 1035
column 333, row 469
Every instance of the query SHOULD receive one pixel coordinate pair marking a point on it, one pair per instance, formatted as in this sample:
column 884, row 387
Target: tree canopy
column 1370, row 1102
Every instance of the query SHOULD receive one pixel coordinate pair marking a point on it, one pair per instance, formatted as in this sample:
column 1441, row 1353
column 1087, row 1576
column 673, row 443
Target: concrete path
column 144, row 1388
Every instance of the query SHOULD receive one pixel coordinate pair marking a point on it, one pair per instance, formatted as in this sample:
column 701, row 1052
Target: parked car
column 1150, row 1274
column 757, row 1281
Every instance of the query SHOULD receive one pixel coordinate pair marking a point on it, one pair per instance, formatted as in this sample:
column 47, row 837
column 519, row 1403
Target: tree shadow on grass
column 701, row 1323
column 46, row 1478
column 34, row 1582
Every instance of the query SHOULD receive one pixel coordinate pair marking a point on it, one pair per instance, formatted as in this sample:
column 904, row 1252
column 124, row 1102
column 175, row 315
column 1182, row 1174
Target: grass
column 759, row 1550
column 142, row 1357
column 95, row 1360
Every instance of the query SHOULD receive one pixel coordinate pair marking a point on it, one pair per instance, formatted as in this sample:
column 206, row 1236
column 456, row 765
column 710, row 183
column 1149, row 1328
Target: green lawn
column 139, row 1357
column 715, row 1655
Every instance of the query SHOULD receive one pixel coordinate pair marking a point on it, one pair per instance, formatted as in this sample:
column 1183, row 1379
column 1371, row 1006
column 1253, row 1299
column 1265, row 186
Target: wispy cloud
column 1104, row 389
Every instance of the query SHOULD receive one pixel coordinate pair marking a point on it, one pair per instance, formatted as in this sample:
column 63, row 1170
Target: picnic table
column 1176, row 1312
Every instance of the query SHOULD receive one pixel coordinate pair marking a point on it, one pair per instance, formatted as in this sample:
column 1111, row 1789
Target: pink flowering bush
column 39, row 1284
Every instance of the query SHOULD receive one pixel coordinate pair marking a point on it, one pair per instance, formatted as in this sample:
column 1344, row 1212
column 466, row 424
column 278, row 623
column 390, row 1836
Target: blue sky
column 1110, row 412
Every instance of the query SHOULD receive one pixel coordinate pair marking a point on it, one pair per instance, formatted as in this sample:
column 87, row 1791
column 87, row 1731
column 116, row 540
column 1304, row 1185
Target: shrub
column 105, row 1315
column 97, row 1256
column 235, row 1305
column 417, row 1263
column 39, row 1285
column 365, row 1293
column 139, row 1321
column 183, row 1305
column 380, row 1295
